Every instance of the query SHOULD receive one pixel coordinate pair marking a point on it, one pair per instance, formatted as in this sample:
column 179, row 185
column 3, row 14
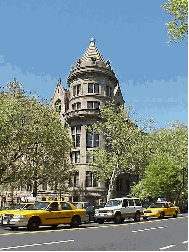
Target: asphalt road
column 152, row 235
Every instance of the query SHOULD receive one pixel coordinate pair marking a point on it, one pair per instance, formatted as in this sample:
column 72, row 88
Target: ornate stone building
column 92, row 82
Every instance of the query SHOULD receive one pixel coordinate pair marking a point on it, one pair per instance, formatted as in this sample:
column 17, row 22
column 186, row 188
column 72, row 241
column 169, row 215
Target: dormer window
column 58, row 105
column 93, row 88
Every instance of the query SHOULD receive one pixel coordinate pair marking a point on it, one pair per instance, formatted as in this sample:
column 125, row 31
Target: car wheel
column 117, row 218
column 175, row 214
column 137, row 217
column 14, row 228
column 75, row 222
column 33, row 224
column 122, row 220
column 144, row 218
column 100, row 221
column 162, row 215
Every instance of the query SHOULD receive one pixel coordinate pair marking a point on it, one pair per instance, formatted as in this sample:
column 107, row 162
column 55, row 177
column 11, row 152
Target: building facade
column 92, row 82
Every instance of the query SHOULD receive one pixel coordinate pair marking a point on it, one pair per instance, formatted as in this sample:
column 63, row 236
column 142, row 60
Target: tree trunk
column 112, row 183
column 12, row 195
column 35, row 189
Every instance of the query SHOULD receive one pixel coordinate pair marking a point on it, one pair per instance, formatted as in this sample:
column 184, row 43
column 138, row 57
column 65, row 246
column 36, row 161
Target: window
column 125, row 203
column 65, row 206
column 76, row 179
column 58, row 105
column 96, row 140
column 77, row 90
column 75, row 157
column 108, row 91
column 93, row 88
column 19, row 188
column 76, row 134
column 76, row 106
column 29, row 187
column 90, row 180
column 92, row 139
column 131, row 202
column 137, row 202
column 54, row 206
column 93, row 105
column 89, row 157
column 44, row 186
column 54, row 186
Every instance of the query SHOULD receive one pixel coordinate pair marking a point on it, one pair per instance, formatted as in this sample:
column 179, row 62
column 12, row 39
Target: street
column 151, row 235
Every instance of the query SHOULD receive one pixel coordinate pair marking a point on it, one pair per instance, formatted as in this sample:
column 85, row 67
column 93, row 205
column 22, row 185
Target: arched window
column 58, row 105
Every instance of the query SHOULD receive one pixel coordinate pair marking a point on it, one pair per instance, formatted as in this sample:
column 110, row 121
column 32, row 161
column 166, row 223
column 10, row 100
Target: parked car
column 146, row 204
column 118, row 209
column 184, row 207
column 91, row 211
column 13, row 209
column 160, row 209
column 46, row 213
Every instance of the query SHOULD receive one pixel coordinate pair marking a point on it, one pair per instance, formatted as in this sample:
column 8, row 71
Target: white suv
column 118, row 209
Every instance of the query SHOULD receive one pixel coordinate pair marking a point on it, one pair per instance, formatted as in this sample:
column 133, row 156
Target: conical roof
column 92, row 53
column 91, row 62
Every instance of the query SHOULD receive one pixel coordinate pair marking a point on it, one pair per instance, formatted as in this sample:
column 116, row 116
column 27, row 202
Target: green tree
column 161, row 179
column 126, row 145
column 169, row 156
column 178, row 27
column 34, row 147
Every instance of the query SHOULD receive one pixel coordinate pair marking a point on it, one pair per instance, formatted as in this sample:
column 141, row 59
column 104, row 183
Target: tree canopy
column 34, row 147
column 167, row 173
column 126, row 144
column 178, row 27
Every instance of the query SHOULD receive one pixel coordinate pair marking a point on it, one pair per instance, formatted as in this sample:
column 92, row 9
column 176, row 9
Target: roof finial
column 59, row 81
column 92, row 41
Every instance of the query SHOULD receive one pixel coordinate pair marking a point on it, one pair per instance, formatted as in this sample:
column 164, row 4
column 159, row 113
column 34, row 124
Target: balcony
column 81, row 113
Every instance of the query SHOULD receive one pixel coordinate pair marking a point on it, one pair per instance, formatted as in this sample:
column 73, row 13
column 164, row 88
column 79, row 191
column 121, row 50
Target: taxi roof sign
column 161, row 199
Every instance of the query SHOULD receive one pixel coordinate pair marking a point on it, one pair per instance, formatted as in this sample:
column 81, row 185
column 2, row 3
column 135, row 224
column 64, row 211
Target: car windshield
column 113, row 203
column 89, row 208
column 16, row 207
column 157, row 205
column 38, row 206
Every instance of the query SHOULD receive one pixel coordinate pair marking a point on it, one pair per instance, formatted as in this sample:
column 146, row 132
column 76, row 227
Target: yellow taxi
column 161, row 209
column 46, row 213
column 13, row 209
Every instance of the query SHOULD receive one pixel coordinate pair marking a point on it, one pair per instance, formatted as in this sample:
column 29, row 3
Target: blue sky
column 41, row 39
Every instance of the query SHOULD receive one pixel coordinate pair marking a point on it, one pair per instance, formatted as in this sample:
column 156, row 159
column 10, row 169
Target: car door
column 172, row 209
column 124, row 209
column 166, row 208
column 132, row 207
column 52, row 214
column 67, row 212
